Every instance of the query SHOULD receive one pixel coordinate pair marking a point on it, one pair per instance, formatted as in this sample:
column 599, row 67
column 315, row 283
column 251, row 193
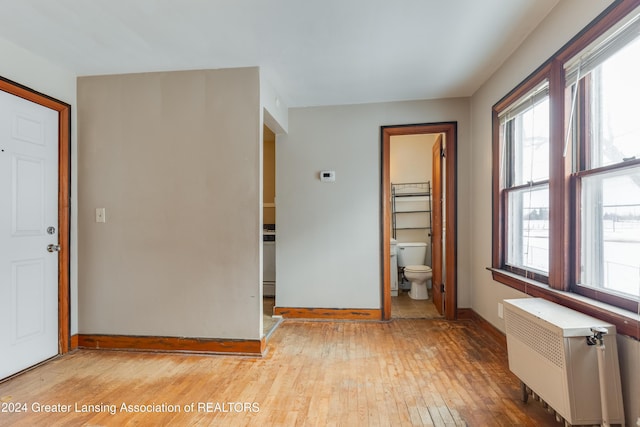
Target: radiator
column 549, row 353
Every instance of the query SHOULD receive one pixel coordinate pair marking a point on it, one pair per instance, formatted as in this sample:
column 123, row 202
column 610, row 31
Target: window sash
column 526, row 236
column 521, row 156
column 613, row 128
column 604, row 47
column 529, row 100
column 605, row 261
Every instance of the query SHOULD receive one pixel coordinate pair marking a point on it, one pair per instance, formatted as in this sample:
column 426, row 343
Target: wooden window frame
column 587, row 291
column 500, row 193
column 533, row 274
column 564, row 190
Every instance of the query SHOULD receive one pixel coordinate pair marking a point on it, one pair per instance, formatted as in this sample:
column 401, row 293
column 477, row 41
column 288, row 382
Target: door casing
column 64, row 199
column 449, row 129
column 436, row 222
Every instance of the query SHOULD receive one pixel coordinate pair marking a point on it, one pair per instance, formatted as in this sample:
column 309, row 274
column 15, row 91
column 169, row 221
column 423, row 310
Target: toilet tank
column 412, row 253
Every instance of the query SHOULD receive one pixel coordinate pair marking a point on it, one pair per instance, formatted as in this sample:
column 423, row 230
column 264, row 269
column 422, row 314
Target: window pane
column 530, row 144
column 528, row 228
column 615, row 128
column 610, row 247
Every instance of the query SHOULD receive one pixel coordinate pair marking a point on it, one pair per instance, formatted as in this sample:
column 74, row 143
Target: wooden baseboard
column 74, row 342
column 328, row 313
column 495, row 333
column 172, row 344
column 465, row 314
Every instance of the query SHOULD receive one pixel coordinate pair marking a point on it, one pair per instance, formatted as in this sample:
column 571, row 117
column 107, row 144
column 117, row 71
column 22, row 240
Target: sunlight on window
column 611, row 231
column 528, row 201
column 529, row 228
column 616, row 93
column 610, row 211
column 531, row 144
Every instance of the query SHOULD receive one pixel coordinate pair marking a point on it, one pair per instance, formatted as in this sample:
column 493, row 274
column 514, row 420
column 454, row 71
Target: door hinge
column 442, row 153
column 442, row 288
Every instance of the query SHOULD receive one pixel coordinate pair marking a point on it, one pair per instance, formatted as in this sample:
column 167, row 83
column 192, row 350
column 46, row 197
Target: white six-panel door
column 28, row 210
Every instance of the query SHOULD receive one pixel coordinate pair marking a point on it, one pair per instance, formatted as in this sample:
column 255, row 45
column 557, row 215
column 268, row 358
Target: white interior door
column 28, row 208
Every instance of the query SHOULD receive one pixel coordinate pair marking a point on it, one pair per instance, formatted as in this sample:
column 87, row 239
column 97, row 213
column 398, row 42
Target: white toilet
column 394, row 268
column 413, row 257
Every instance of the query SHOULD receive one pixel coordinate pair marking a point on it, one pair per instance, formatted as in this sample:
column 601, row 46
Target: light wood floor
column 403, row 372
column 403, row 307
column 268, row 322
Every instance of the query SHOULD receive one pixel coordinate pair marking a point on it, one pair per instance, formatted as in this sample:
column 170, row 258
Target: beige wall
column 269, row 176
column 175, row 158
column 39, row 74
column 410, row 160
column 275, row 109
column 566, row 20
column 329, row 234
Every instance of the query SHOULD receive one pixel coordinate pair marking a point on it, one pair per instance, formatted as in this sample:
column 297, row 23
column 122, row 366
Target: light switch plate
column 328, row 176
column 101, row 215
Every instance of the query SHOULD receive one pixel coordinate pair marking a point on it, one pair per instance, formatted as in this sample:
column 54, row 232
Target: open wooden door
column 436, row 226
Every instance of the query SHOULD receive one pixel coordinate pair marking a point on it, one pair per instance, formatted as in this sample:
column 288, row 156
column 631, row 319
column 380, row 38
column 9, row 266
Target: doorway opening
column 268, row 229
column 419, row 210
column 63, row 202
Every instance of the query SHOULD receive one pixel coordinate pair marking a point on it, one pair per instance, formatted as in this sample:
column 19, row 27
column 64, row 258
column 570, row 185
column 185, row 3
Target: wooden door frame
column 436, row 221
column 64, row 193
column 451, row 142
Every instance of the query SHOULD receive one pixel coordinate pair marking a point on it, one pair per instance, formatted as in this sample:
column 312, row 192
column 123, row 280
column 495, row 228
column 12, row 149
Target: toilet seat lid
column 418, row 268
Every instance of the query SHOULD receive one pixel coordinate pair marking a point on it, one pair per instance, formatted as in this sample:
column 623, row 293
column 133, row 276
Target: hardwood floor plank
column 404, row 372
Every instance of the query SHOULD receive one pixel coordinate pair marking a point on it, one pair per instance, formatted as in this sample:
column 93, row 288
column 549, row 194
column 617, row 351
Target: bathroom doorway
column 268, row 229
column 419, row 212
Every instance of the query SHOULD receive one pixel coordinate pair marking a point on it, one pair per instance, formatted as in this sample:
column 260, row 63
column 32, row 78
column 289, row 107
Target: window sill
column 626, row 322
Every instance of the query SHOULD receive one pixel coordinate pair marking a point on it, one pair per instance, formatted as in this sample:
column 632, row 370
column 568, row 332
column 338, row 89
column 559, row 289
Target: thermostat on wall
column 328, row 176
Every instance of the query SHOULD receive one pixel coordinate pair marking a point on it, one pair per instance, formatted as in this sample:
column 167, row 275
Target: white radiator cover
column 548, row 351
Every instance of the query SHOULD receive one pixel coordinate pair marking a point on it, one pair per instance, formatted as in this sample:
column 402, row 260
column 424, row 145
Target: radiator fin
column 544, row 341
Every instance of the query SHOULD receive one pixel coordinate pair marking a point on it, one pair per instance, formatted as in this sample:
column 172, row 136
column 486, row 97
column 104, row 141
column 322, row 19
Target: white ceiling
column 326, row 52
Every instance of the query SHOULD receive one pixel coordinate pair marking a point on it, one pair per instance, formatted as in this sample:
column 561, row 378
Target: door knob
column 53, row 248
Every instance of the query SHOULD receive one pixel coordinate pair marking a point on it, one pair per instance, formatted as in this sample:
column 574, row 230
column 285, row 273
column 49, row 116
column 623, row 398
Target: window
column 524, row 137
column 610, row 231
column 566, row 174
column 603, row 81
